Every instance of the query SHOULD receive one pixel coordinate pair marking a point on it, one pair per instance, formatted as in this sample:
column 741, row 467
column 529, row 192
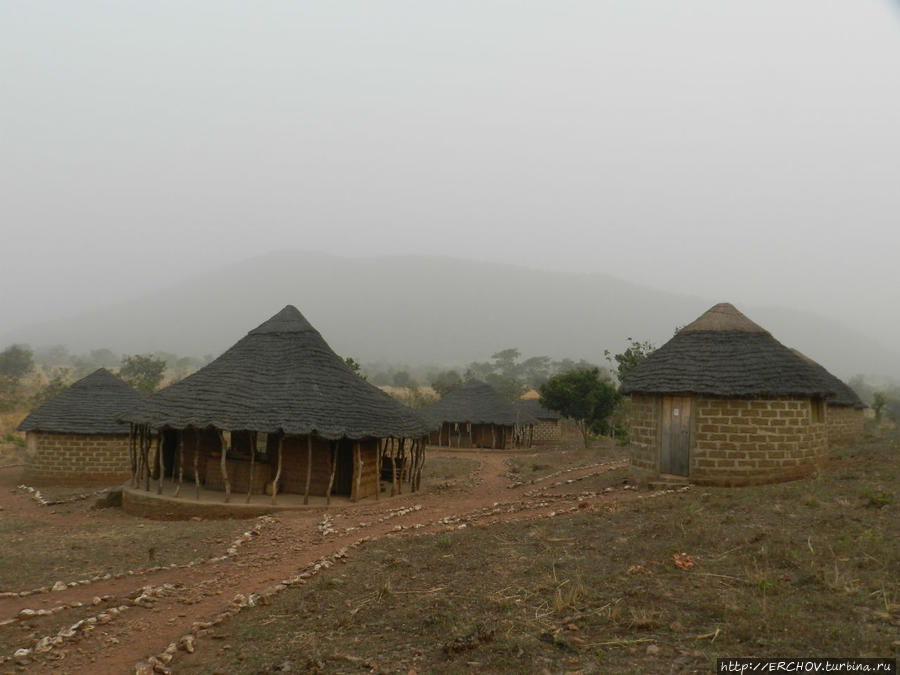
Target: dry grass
column 804, row 568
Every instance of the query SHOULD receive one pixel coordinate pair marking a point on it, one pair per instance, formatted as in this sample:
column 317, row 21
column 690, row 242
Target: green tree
column 583, row 395
column 402, row 378
column 633, row 355
column 878, row 402
column 445, row 381
column 354, row 365
column 144, row 372
column 16, row 362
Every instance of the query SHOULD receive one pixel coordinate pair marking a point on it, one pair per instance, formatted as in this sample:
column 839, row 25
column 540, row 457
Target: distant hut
column 473, row 415
column 724, row 403
column 845, row 412
column 278, row 412
column 75, row 438
column 546, row 428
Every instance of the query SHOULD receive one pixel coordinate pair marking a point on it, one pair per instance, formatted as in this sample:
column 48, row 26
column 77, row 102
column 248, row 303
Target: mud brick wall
column 845, row 424
column 644, row 433
column 745, row 442
column 76, row 459
column 547, row 431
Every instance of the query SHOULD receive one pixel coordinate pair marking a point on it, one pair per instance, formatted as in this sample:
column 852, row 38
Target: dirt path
column 184, row 601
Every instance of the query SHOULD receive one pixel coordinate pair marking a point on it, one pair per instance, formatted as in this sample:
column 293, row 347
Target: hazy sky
column 743, row 151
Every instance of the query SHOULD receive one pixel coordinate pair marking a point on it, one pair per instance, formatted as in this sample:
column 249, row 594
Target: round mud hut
column 724, row 403
column 279, row 412
column 75, row 438
column 474, row 415
column 845, row 412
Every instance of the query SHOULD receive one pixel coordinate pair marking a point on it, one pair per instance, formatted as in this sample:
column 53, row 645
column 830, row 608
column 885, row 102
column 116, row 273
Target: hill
column 407, row 309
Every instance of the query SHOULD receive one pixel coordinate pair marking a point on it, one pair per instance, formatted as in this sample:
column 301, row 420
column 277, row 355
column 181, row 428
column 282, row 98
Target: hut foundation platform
column 211, row 503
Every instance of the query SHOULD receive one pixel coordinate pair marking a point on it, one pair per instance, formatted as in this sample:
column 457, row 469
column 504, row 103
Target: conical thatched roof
column 473, row 402
column 90, row 406
column 844, row 397
column 532, row 407
column 282, row 376
column 723, row 353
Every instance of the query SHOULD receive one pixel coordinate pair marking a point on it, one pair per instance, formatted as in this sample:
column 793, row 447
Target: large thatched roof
column 844, row 397
column 723, row 353
column 473, row 402
column 532, row 407
column 282, row 376
column 90, row 406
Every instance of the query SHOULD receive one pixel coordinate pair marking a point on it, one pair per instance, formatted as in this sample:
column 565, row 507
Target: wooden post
column 394, row 466
column 333, row 446
column 308, row 466
column 180, row 462
column 377, row 469
column 401, row 457
column 252, row 462
column 197, row 463
column 458, row 435
column 131, row 461
column 146, row 454
column 160, row 464
column 223, row 468
column 278, row 471
column 359, row 468
column 493, row 438
column 420, row 465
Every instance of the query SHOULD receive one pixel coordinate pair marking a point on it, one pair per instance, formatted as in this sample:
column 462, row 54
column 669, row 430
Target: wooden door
column 675, row 436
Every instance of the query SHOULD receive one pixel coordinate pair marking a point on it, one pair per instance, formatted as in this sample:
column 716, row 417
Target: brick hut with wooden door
column 279, row 412
column 845, row 413
column 473, row 415
column 724, row 403
column 75, row 438
column 546, row 429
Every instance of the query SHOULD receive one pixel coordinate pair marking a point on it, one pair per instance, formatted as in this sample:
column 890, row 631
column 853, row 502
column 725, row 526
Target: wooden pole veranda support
column 394, row 468
column 252, row 462
column 401, row 457
column 377, row 469
column 333, row 446
column 160, row 464
column 278, row 470
column 196, row 463
column 224, row 468
column 180, row 462
column 308, row 467
column 359, row 468
column 493, row 437
column 146, row 454
column 458, row 435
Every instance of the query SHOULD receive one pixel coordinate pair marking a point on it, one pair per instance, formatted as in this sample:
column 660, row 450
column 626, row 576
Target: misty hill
column 430, row 310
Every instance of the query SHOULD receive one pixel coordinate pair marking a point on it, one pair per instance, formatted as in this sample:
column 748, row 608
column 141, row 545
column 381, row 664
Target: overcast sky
column 742, row 151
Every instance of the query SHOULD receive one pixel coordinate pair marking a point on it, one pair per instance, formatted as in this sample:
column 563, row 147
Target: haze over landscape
column 552, row 177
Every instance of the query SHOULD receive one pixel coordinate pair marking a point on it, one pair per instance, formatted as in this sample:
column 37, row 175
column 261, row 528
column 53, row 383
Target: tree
column 583, row 395
column 445, row 381
column 633, row 355
column 354, row 365
column 16, row 361
column 878, row 401
column 143, row 372
column 402, row 379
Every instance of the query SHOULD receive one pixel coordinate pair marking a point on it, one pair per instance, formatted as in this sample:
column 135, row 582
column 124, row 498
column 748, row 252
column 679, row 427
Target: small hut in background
column 473, row 415
column 845, row 412
column 546, row 428
column 724, row 403
column 75, row 438
column 278, row 412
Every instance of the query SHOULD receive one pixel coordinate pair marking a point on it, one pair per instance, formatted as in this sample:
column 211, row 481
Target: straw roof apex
column 723, row 317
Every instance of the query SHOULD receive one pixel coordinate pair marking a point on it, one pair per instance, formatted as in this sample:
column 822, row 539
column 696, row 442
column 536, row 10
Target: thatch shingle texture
column 473, row 402
column 723, row 353
column 90, row 406
column 282, row 376
column 844, row 397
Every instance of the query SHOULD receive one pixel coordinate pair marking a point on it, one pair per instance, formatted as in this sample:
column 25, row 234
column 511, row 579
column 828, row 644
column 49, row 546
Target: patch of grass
column 592, row 591
column 544, row 462
column 444, row 472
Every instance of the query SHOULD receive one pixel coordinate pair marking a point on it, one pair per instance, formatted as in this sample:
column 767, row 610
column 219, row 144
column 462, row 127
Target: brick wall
column 76, row 459
column 736, row 442
column 845, row 424
column 744, row 442
column 643, row 433
column 547, row 431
